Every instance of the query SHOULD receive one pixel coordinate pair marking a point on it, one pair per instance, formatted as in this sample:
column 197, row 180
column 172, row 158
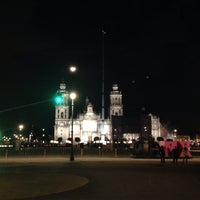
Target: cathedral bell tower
column 62, row 114
column 116, row 106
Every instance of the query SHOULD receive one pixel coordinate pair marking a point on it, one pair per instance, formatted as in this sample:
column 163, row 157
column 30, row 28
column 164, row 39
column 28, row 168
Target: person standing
column 162, row 154
column 175, row 155
column 185, row 155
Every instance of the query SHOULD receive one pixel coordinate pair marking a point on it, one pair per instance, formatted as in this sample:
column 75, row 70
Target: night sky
column 151, row 49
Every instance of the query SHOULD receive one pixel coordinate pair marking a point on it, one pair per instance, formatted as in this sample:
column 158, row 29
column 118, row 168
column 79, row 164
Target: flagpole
column 103, row 106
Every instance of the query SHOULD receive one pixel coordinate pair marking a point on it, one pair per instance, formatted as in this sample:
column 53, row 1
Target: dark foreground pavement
column 98, row 178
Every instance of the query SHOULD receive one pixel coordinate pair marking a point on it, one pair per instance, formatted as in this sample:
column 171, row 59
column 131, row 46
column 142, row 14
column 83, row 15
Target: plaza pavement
column 11, row 182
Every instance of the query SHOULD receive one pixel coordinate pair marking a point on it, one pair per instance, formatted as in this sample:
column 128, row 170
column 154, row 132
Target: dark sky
column 151, row 49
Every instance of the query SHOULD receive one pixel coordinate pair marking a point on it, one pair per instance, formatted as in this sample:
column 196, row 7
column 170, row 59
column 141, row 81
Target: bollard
column 99, row 150
column 45, row 152
column 115, row 152
column 6, row 153
column 81, row 152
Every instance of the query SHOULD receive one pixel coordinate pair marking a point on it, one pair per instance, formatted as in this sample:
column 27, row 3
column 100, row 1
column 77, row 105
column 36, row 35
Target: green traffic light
column 59, row 99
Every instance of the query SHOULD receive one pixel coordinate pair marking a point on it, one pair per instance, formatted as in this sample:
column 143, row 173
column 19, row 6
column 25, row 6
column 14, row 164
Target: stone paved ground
column 18, row 173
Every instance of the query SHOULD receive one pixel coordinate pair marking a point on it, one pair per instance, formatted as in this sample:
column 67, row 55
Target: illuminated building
column 87, row 125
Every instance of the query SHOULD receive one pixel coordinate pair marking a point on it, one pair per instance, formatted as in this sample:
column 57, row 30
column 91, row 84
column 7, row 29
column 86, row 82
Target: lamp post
column 21, row 127
column 174, row 134
column 19, row 137
column 72, row 97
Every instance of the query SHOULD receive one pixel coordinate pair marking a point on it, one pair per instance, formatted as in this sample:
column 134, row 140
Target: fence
column 6, row 152
column 63, row 151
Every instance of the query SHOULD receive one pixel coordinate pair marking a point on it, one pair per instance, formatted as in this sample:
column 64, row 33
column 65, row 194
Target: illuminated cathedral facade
column 89, row 126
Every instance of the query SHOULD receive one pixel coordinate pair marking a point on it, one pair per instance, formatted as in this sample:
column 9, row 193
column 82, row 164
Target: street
column 105, row 179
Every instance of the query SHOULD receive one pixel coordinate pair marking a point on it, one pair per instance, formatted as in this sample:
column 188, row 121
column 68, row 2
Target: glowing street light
column 72, row 68
column 175, row 133
column 72, row 97
column 21, row 126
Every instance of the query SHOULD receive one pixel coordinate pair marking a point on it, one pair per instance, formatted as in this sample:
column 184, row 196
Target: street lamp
column 174, row 134
column 19, row 137
column 72, row 97
column 21, row 126
column 72, row 68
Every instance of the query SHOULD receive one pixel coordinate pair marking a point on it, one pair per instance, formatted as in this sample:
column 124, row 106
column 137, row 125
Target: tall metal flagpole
column 102, row 106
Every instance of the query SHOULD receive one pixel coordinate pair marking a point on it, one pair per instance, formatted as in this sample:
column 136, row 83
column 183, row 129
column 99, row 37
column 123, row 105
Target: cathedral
column 89, row 126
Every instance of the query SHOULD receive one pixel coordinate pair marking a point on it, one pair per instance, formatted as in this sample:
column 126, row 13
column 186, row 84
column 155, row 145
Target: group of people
column 175, row 154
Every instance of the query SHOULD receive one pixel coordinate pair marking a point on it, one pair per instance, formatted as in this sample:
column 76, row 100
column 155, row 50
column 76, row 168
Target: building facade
column 87, row 127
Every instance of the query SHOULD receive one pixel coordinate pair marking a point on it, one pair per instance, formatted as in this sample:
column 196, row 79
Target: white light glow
column 72, row 68
column 72, row 95
column 90, row 125
column 21, row 127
